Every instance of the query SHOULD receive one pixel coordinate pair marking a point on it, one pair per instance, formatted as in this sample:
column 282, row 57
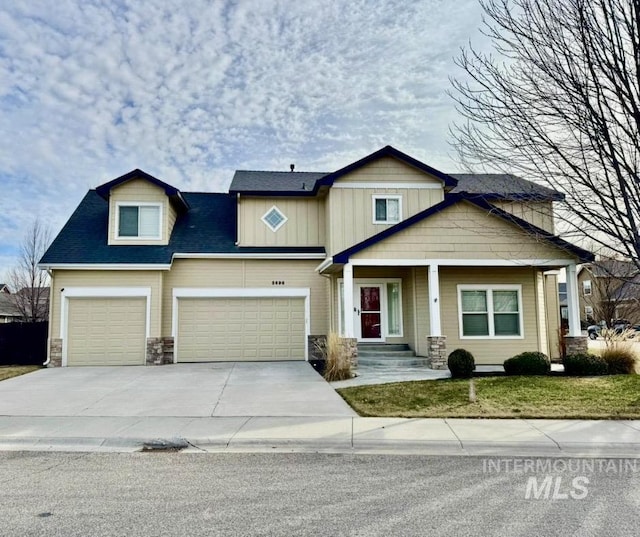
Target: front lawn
column 610, row 397
column 8, row 371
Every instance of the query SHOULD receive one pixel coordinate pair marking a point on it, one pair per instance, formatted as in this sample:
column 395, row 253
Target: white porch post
column 434, row 301
column 347, row 274
column 572, row 301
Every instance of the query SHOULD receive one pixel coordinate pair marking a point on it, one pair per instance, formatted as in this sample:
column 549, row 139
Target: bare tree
column 559, row 102
column 614, row 293
column 30, row 284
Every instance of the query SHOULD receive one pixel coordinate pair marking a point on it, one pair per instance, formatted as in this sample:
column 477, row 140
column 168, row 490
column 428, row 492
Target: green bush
column 528, row 363
column 620, row 361
column 461, row 364
column 584, row 364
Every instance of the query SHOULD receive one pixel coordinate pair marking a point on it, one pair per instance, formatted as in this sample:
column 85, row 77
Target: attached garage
column 106, row 331
column 241, row 328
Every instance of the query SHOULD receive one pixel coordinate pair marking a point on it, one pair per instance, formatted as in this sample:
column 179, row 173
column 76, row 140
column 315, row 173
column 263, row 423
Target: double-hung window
column 490, row 311
column 586, row 287
column 139, row 221
column 387, row 209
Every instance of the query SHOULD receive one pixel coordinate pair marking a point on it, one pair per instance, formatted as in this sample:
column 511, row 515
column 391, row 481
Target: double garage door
column 112, row 331
column 251, row 329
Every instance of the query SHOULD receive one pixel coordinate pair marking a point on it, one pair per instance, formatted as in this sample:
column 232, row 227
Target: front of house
column 385, row 250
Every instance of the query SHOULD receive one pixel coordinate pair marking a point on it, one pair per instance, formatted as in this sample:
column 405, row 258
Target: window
column 586, row 287
column 394, row 309
column 274, row 219
column 490, row 311
column 387, row 209
column 139, row 221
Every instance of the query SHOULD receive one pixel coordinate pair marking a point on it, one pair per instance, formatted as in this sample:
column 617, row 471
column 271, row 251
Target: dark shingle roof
column 503, row 186
column 208, row 227
column 245, row 181
column 613, row 268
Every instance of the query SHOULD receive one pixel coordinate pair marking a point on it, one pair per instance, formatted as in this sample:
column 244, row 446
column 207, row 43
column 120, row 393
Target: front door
column 368, row 312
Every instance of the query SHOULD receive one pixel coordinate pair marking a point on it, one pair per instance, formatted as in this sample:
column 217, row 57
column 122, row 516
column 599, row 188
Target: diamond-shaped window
column 274, row 218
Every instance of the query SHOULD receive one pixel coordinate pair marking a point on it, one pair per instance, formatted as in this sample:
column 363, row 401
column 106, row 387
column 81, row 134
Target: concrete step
column 376, row 347
column 415, row 361
column 379, row 352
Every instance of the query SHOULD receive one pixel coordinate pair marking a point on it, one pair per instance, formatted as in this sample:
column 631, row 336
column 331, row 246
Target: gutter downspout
column 46, row 362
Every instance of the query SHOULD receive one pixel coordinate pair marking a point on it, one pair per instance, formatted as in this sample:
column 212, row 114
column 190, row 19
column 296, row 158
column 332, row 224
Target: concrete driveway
column 180, row 390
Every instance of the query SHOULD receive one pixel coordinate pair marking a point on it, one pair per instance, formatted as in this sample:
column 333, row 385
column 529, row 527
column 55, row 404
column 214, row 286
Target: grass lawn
column 610, row 397
column 8, row 371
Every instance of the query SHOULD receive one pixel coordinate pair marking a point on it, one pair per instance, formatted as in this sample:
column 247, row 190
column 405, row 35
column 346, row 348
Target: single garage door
column 106, row 331
column 234, row 329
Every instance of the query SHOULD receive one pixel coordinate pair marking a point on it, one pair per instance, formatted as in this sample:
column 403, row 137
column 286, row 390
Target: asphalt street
column 286, row 494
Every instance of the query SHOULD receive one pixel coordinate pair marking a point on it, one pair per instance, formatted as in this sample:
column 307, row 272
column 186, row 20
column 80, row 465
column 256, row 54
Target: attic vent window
column 274, row 219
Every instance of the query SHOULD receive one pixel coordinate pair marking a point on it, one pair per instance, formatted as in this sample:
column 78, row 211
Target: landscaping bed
column 553, row 397
column 8, row 371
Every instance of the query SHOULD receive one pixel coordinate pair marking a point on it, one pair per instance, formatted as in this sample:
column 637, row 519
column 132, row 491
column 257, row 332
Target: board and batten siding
column 305, row 225
column 537, row 213
column 490, row 350
column 462, row 231
column 63, row 279
column 140, row 190
column 250, row 273
column 388, row 170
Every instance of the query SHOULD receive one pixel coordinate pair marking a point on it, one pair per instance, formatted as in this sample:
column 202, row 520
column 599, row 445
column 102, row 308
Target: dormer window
column 274, row 219
column 139, row 221
column 387, row 209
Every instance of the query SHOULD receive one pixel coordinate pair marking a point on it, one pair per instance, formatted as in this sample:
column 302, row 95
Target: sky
column 191, row 91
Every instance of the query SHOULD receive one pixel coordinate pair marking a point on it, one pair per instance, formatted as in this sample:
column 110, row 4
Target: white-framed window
column 139, row 221
column 586, row 287
column 588, row 311
column 387, row 209
column 490, row 311
column 274, row 219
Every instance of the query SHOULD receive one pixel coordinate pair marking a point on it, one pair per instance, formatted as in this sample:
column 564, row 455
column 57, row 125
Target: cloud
column 190, row 91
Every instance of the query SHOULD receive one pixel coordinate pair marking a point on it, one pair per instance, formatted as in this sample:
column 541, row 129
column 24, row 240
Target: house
column 8, row 311
column 609, row 290
column 384, row 250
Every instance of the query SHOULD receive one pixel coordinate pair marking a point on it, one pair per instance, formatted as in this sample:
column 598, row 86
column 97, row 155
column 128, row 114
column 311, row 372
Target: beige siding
column 212, row 273
column 489, row 351
column 63, row 279
column 139, row 190
column 251, row 329
column 537, row 213
column 106, row 331
column 552, row 314
column 462, row 231
column 389, row 170
column 351, row 212
column 305, row 225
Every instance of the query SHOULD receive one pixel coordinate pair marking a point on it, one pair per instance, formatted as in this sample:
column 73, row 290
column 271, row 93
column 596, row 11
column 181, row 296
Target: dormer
column 142, row 209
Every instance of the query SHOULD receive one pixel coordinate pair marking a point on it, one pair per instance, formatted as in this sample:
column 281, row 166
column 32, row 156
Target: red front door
column 370, row 312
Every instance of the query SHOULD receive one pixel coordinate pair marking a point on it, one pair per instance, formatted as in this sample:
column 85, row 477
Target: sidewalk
column 323, row 434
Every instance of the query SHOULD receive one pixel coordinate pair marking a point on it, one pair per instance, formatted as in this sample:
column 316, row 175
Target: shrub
column 584, row 364
column 528, row 363
column 337, row 362
column 461, row 364
column 620, row 361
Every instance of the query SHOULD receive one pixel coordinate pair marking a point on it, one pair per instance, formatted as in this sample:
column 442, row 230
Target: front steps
column 393, row 355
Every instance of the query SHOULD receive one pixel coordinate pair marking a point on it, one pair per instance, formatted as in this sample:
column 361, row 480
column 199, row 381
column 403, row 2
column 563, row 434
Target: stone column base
column 55, row 353
column 437, row 351
column 159, row 350
column 317, row 348
column 576, row 344
column 350, row 346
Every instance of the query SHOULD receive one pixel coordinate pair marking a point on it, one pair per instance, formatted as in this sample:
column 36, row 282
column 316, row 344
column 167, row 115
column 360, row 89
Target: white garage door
column 233, row 329
column 106, row 331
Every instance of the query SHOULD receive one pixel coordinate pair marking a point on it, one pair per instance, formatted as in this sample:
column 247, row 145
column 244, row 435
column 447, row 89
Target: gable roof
column 492, row 186
column 171, row 191
column 209, row 227
column 613, row 268
column 478, row 201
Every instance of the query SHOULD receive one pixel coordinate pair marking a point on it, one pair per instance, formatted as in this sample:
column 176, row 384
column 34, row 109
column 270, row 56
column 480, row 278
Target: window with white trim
column 274, row 218
column 490, row 311
column 387, row 209
column 139, row 221
column 586, row 287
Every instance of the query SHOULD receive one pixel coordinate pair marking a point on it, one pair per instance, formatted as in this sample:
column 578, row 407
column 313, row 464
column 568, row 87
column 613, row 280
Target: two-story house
column 386, row 249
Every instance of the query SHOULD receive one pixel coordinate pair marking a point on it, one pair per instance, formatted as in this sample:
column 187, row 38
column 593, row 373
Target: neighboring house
column 33, row 303
column 384, row 250
column 609, row 289
column 8, row 311
column 4, row 288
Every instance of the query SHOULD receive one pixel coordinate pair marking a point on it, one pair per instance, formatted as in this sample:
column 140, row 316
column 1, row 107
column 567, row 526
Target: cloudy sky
column 191, row 91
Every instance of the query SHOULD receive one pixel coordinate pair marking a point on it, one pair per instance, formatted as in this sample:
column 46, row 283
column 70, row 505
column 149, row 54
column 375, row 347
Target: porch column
column 347, row 274
column 573, row 307
column 435, row 328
